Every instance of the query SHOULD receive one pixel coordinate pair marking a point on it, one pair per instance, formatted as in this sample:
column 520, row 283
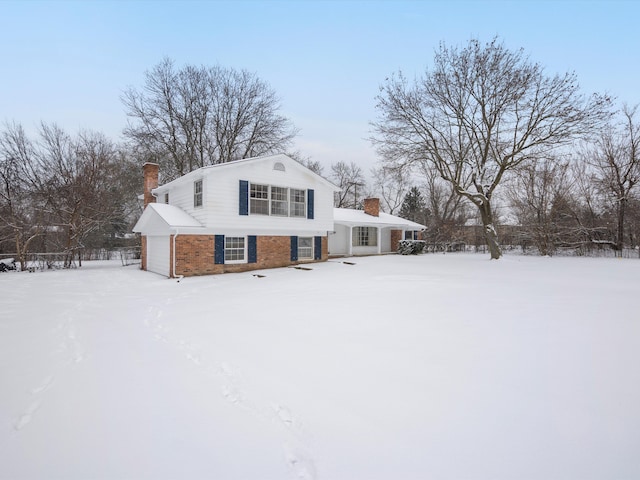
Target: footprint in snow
column 27, row 416
column 284, row 414
column 47, row 382
column 231, row 394
column 300, row 463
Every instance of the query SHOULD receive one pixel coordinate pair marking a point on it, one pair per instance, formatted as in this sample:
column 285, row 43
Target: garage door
column 158, row 259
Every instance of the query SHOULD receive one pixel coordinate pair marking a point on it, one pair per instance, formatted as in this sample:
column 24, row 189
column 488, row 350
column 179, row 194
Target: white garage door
column 158, row 254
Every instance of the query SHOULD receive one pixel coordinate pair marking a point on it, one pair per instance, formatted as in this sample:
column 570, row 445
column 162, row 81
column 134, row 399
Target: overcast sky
column 69, row 61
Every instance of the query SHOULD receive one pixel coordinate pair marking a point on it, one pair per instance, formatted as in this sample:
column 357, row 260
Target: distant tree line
column 485, row 137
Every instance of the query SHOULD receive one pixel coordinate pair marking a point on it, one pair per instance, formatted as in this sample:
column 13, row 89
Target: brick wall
column 273, row 252
column 150, row 174
column 143, row 253
column 195, row 255
column 372, row 206
column 396, row 236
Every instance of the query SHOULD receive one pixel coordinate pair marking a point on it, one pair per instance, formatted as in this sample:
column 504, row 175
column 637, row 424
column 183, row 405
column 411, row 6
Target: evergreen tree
column 414, row 207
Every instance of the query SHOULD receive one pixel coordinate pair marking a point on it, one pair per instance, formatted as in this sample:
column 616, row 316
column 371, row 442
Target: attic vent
column 278, row 166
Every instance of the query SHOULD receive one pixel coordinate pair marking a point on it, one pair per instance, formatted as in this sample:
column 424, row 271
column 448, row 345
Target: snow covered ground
column 438, row 366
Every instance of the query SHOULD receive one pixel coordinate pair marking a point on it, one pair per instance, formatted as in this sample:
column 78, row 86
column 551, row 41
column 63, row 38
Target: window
column 166, row 198
column 305, row 248
column 259, row 203
column 279, row 201
column 298, row 206
column 197, row 193
column 234, row 250
column 365, row 237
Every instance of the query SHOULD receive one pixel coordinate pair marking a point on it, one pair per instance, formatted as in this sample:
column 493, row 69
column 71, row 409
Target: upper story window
column 259, row 196
column 277, row 201
column 197, row 193
column 298, row 203
column 166, row 198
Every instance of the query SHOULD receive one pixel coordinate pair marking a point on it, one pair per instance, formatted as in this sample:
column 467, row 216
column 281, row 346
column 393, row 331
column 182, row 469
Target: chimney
column 372, row 206
column 150, row 171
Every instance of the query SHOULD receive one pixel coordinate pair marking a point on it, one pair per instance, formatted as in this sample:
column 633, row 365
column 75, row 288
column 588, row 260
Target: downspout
column 179, row 277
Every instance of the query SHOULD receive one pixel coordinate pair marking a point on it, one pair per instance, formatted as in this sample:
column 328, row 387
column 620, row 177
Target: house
column 249, row 214
column 369, row 231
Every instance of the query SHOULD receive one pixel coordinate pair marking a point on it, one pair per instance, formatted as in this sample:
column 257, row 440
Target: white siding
column 158, row 254
column 221, row 188
column 385, row 246
column 339, row 241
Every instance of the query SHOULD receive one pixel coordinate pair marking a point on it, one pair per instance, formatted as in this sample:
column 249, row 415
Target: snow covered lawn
column 429, row 367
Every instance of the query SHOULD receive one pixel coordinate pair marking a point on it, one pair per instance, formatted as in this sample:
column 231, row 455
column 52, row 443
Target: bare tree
column 350, row 179
column 313, row 165
column 197, row 116
column 447, row 210
column 21, row 216
column 540, row 194
column 615, row 158
column 478, row 114
column 391, row 185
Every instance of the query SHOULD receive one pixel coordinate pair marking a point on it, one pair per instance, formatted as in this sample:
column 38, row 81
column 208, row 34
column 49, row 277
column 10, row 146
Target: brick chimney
column 150, row 171
column 372, row 206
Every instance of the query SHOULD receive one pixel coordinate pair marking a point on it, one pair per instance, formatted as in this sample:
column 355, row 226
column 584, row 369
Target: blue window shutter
column 317, row 248
column 244, row 198
column 218, row 250
column 310, row 204
column 252, row 253
column 294, row 248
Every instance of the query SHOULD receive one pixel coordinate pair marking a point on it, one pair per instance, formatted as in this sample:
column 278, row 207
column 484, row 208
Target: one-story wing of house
column 369, row 231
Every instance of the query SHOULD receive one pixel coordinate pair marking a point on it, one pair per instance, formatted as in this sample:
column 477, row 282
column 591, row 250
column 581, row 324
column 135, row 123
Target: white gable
column 221, row 191
column 162, row 219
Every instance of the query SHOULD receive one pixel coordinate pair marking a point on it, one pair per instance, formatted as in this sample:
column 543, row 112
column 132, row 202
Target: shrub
column 411, row 247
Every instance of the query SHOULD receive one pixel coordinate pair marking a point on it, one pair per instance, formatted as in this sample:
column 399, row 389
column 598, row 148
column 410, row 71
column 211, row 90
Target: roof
column 159, row 217
column 203, row 171
column 351, row 217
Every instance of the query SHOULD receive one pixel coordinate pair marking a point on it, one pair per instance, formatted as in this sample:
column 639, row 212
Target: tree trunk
column 620, row 236
column 490, row 233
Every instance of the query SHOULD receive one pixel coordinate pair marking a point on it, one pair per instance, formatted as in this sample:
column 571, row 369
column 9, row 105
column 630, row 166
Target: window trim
column 244, row 250
column 310, row 248
column 198, row 196
column 272, row 204
column 252, row 200
column 358, row 238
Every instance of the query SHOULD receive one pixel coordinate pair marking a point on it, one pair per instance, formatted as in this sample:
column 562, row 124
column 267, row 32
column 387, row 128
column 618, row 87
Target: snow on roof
column 160, row 218
column 349, row 216
column 174, row 216
column 202, row 171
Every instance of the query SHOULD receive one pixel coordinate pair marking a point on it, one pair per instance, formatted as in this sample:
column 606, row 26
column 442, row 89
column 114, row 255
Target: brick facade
column 396, row 236
column 195, row 255
column 372, row 206
column 143, row 253
column 150, row 173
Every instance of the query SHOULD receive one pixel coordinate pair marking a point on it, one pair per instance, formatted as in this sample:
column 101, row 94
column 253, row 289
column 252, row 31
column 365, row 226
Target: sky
column 69, row 62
